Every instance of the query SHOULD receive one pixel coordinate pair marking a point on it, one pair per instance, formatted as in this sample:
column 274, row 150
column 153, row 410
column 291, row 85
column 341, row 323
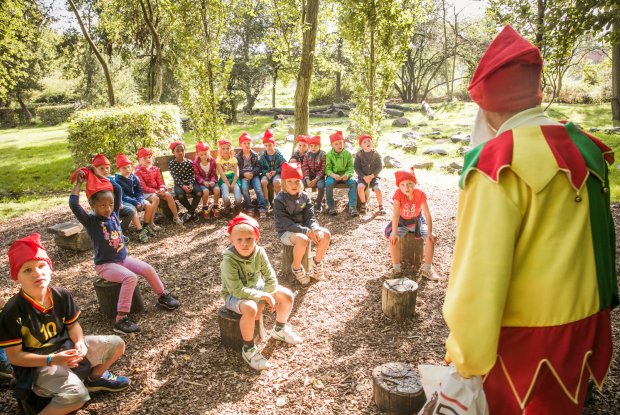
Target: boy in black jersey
column 43, row 340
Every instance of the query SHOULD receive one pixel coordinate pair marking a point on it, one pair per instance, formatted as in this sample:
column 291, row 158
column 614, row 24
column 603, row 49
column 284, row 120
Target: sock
column 279, row 326
column 247, row 345
column 396, row 267
column 315, row 261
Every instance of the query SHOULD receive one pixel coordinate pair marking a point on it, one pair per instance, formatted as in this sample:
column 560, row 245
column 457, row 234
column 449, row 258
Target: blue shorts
column 403, row 230
column 374, row 183
column 233, row 303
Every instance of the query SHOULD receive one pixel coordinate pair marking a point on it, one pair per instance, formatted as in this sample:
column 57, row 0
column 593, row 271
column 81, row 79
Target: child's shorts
column 286, row 238
column 233, row 303
column 274, row 179
column 374, row 183
column 403, row 230
column 147, row 196
column 65, row 387
column 205, row 186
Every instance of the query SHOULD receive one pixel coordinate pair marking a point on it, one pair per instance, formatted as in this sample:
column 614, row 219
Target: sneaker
column 143, row 236
column 353, row 212
column 363, row 208
column 227, row 210
column 428, row 272
column 381, row 210
column 317, row 271
column 125, row 326
column 195, row 217
column 286, row 334
column 394, row 273
column 166, row 300
column 177, row 221
column 253, row 358
column 206, row 214
column 154, row 227
column 149, row 231
column 216, row 213
column 318, row 209
column 108, row 383
column 262, row 214
column 186, row 217
column 300, row 275
column 6, row 370
column 332, row 212
column 125, row 239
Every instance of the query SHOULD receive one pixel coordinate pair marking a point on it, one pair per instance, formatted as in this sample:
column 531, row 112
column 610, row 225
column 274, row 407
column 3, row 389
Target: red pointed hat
column 244, row 137
column 24, row 250
column 93, row 183
column 100, row 160
column 315, row 139
column 302, row 138
column 405, row 174
column 362, row 138
column 508, row 75
column 122, row 160
column 173, row 145
column 336, row 136
column 224, row 142
column 200, row 146
column 291, row 171
column 242, row 218
column 143, row 152
column 268, row 137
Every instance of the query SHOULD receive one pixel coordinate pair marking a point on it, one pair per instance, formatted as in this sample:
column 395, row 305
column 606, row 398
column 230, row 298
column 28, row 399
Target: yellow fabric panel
column 531, row 150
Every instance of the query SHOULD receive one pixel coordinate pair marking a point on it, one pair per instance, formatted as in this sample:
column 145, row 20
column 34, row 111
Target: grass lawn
column 35, row 163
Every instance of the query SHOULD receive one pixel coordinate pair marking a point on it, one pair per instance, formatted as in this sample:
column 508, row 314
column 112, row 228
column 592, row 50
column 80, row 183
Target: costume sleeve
column 488, row 226
column 268, row 273
column 172, row 167
column 189, row 172
column 320, row 171
column 231, row 279
column 348, row 159
column 283, row 219
column 159, row 180
column 329, row 164
column 357, row 164
column 264, row 166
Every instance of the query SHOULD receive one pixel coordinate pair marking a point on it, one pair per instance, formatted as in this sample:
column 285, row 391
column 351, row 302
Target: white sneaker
column 154, row 227
column 428, row 272
column 253, row 358
column 300, row 275
column 177, row 221
column 286, row 334
column 317, row 271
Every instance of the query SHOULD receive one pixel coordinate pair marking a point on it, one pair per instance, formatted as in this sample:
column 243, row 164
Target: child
column 248, row 283
column 339, row 169
column 110, row 255
column 132, row 192
column 205, row 173
column 184, row 183
column 270, row 162
column 249, row 171
column 153, row 185
column 313, row 168
column 301, row 151
column 411, row 214
column 44, row 341
column 228, row 171
column 128, row 213
column 6, row 371
column 297, row 226
column 367, row 166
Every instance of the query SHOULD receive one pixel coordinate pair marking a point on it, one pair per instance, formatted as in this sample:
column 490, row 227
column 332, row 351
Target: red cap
column 405, row 174
column 173, row 145
column 93, row 183
column 315, row 139
column 122, row 160
column 143, row 152
column 336, row 136
column 200, row 146
column 268, row 137
column 24, row 250
column 291, row 171
column 223, row 142
column 100, row 160
column 244, row 137
column 508, row 75
column 302, row 138
column 362, row 138
column 243, row 218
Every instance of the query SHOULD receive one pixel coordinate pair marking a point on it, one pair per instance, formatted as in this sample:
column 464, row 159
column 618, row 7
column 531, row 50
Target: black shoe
column 186, row 217
column 332, row 212
column 353, row 212
column 6, row 370
column 166, row 300
column 125, row 326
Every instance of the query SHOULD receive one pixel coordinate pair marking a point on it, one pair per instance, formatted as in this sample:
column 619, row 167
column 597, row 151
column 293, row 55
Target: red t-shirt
column 409, row 209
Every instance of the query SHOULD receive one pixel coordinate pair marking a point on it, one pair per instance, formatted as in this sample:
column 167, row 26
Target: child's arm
column 18, row 357
column 320, row 173
column 279, row 161
column 348, row 158
column 229, row 271
column 77, row 337
column 264, row 166
column 309, row 216
column 220, row 172
column 281, row 216
column 268, row 273
column 190, row 173
column 256, row 169
column 429, row 221
column 378, row 164
column 198, row 173
column 329, row 165
column 357, row 165
column 395, row 218
column 118, row 196
column 126, row 186
column 138, row 189
column 212, row 177
column 234, row 180
column 74, row 200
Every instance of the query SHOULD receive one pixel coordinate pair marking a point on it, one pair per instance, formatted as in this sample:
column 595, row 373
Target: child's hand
column 187, row 188
column 344, row 178
column 271, row 302
column 393, row 238
column 69, row 358
column 81, row 176
column 139, row 206
column 316, row 235
column 432, row 237
column 248, row 175
column 367, row 179
column 81, row 348
column 231, row 187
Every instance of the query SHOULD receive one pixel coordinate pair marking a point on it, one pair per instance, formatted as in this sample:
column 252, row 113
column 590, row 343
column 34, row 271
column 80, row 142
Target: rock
column 401, row 122
column 278, row 117
column 614, row 130
column 436, row 150
column 274, row 124
column 426, row 165
column 423, row 124
column 396, row 142
column 440, row 140
column 410, row 147
column 594, row 129
column 462, row 150
column 453, row 168
column 432, row 133
column 411, row 135
column 459, row 137
column 391, row 162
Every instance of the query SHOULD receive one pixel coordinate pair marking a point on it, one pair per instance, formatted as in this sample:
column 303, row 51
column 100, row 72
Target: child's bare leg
column 216, row 197
column 284, row 303
column 136, row 221
column 154, row 199
column 379, row 195
column 171, row 204
column 98, row 370
column 300, row 245
column 54, row 410
column 205, row 199
column 249, row 310
column 395, row 252
column 264, row 182
column 429, row 251
column 361, row 192
column 322, row 245
column 149, row 212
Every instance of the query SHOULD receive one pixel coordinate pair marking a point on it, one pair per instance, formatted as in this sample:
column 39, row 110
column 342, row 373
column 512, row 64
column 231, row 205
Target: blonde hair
column 243, row 228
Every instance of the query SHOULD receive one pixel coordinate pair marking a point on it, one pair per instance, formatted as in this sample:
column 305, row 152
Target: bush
column 12, row 117
column 122, row 130
column 47, row 98
column 55, row 114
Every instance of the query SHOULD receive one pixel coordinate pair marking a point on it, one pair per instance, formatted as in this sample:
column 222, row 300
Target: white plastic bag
column 457, row 396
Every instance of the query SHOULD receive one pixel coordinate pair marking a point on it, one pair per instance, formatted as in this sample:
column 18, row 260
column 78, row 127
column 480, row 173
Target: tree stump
column 230, row 332
column 398, row 298
column 411, row 251
column 397, row 389
column 71, row 235
column 107, row 295
column 287, row 259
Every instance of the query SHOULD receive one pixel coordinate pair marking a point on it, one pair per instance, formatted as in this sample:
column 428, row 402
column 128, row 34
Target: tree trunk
column 302, row 91
column 273, row 87
column 26, row 115
column 157, row 67
column 615, row 78
column 373, row 71
column 102, row 61
column 339, row 73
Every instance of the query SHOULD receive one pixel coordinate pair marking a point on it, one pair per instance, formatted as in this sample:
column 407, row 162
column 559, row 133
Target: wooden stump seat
column 287, row 259
column 411, row 251
column 397, row 389
column 230, row 332
column 107, row 296
column 398, row 298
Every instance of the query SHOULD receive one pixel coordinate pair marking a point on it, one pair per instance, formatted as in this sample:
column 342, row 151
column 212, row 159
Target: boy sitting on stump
column 248, row 283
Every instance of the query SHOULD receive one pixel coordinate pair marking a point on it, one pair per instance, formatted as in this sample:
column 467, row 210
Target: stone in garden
column 462, row 150
column 401, row 122
column 396, row 142
column 274, row 124
column 436, row 150
column 594, row 129
column 410, row 147
column 278, row 117
column 426, row 165
column 453, row 168
column 459, row 137
column 432, row 133
column 615, row 130
column 411, row 135
column 423, row 124
column 440, row 140
column 391, row 162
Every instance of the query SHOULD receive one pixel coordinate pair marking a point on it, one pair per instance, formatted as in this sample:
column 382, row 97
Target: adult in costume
column 533, row 278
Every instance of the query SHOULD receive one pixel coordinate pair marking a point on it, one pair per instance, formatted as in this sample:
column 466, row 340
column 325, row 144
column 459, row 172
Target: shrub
column 12, row 117
column 47, row 98
column 55, row 114
column 122, row 130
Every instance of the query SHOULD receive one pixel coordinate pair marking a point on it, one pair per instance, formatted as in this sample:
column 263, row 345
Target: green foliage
column 323, row 91
column 55, row 114
column 122, row 130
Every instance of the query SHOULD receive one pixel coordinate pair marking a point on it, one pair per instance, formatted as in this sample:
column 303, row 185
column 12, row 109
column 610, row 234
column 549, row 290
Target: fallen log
column 429, row 111
column 400, row 107
column 393, row 112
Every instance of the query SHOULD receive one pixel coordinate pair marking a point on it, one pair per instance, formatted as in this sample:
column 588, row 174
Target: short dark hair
column 97, row 195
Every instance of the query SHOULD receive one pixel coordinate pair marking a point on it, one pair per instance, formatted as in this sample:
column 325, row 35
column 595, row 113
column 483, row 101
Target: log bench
column 230, row 332
column 397, row 389
column 107, row 296
column 71, row 235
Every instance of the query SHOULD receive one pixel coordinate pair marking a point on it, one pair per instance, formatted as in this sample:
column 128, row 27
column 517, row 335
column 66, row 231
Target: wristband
column 49, row 359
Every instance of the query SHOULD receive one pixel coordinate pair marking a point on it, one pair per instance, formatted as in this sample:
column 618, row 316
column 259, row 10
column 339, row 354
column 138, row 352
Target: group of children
column 40, row 333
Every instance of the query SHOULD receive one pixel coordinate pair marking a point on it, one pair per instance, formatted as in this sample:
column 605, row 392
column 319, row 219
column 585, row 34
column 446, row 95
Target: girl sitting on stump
column 111, row 260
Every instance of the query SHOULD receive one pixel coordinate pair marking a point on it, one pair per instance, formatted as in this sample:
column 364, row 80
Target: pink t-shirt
column 409, row 209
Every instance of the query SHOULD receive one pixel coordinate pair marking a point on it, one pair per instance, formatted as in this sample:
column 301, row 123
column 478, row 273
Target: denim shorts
column 402, row 230
column 374, row 183
column 233, row 303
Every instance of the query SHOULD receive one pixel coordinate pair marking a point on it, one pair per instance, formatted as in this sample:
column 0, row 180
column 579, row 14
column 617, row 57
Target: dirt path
column 177, row 364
